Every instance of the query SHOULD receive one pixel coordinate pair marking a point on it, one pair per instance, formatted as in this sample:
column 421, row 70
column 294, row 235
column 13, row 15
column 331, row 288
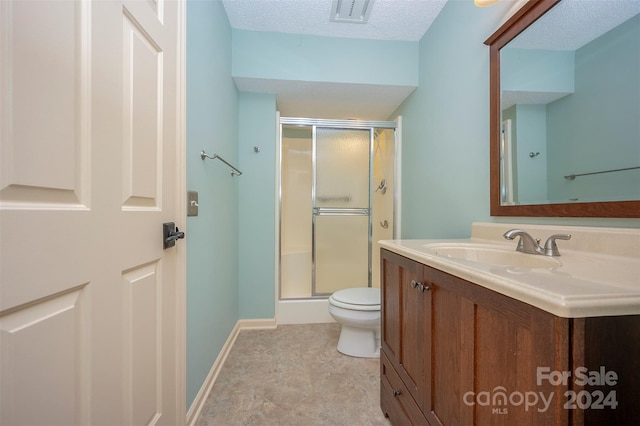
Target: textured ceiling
column 389, row 19
column 573, row 23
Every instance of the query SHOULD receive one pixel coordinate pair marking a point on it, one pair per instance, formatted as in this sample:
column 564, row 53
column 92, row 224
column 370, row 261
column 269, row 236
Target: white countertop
column 585, row 281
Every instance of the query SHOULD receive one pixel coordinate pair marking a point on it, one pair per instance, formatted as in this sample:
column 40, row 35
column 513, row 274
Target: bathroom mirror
column 565, row 110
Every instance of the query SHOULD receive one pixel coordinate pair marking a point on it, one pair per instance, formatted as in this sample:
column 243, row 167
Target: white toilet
column 358, row 310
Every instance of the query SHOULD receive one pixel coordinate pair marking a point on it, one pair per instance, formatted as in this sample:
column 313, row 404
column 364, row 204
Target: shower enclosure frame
column 314, row 124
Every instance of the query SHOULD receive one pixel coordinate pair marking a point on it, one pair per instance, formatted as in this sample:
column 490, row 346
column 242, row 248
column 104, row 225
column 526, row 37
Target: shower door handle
column 337, row 211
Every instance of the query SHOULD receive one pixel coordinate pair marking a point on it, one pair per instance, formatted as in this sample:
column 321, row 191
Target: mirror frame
column 523, row 18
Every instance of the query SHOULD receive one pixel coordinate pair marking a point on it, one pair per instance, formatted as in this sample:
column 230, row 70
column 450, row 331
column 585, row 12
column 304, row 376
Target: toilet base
column 359, row 342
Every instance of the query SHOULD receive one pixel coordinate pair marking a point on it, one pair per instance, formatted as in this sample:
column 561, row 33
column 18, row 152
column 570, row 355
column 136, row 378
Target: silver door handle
column 170, row 233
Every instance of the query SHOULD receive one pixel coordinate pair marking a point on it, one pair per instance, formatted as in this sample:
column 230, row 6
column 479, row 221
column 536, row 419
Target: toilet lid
column 362, row 296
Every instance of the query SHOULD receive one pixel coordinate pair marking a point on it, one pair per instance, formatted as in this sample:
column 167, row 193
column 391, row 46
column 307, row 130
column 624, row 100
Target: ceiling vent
column 352, row 11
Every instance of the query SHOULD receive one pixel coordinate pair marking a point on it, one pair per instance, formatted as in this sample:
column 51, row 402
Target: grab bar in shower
column 234, row 171
column 572, row 177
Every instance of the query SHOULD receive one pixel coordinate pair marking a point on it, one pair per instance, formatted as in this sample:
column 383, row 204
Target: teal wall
column 528, row 134
column 212, row 236
column 277, row 56
column 532, row 70
column 257, row 235
column 531, row 136
column 445, row 133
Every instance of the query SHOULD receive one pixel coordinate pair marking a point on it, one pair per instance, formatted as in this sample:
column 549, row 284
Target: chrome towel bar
column 572, row 177
column 234, row 171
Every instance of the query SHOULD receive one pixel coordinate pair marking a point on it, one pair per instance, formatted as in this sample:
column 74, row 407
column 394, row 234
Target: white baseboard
column 203, row 394
column 306, row 311
column 257, row 324
column 201, row 397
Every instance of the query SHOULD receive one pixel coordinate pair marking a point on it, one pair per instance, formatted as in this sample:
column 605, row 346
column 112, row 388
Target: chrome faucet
column 527, row 244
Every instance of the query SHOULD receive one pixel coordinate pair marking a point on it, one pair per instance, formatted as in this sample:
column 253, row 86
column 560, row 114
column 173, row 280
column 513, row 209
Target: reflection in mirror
column 573, row 102
column 566, row 121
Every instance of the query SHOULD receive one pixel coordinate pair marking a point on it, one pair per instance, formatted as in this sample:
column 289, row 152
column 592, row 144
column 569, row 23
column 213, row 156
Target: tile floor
column 294, row 375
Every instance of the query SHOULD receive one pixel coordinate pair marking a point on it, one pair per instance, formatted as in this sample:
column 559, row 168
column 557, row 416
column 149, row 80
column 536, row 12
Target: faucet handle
column 551, row 248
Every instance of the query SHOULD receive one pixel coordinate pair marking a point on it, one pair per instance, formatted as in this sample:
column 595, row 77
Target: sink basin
column 491, row 255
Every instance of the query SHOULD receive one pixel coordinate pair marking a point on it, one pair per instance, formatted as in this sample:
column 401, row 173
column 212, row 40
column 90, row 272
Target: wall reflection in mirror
column 570, row 103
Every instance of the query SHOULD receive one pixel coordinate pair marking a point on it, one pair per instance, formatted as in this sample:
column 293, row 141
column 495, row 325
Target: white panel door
column 91, row 306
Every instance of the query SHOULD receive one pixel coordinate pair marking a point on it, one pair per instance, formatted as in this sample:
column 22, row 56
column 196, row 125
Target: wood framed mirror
column 623, row 181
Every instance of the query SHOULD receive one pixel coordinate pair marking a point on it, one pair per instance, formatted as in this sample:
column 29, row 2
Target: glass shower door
column 341, row 210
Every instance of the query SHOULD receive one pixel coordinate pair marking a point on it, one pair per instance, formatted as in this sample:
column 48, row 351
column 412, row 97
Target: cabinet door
column 512, row 342
column 406, row 322
column 450, row 367
column 390, row 306
column 486, row 351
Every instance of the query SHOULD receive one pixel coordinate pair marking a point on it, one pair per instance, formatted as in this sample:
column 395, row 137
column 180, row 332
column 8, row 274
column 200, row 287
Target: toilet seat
column 357, row 299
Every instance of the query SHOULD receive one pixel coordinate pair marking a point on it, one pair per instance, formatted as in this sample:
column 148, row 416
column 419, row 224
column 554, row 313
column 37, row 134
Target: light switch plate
column 192, row 203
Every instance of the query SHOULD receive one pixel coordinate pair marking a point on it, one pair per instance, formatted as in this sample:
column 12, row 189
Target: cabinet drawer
column 396, row 400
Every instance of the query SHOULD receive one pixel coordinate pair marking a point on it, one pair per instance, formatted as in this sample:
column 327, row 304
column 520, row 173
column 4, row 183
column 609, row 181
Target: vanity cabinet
column 404, row 339
column 455, row 353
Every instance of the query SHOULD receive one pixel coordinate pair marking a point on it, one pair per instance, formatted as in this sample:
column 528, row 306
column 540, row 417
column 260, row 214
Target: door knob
column 170, row 233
